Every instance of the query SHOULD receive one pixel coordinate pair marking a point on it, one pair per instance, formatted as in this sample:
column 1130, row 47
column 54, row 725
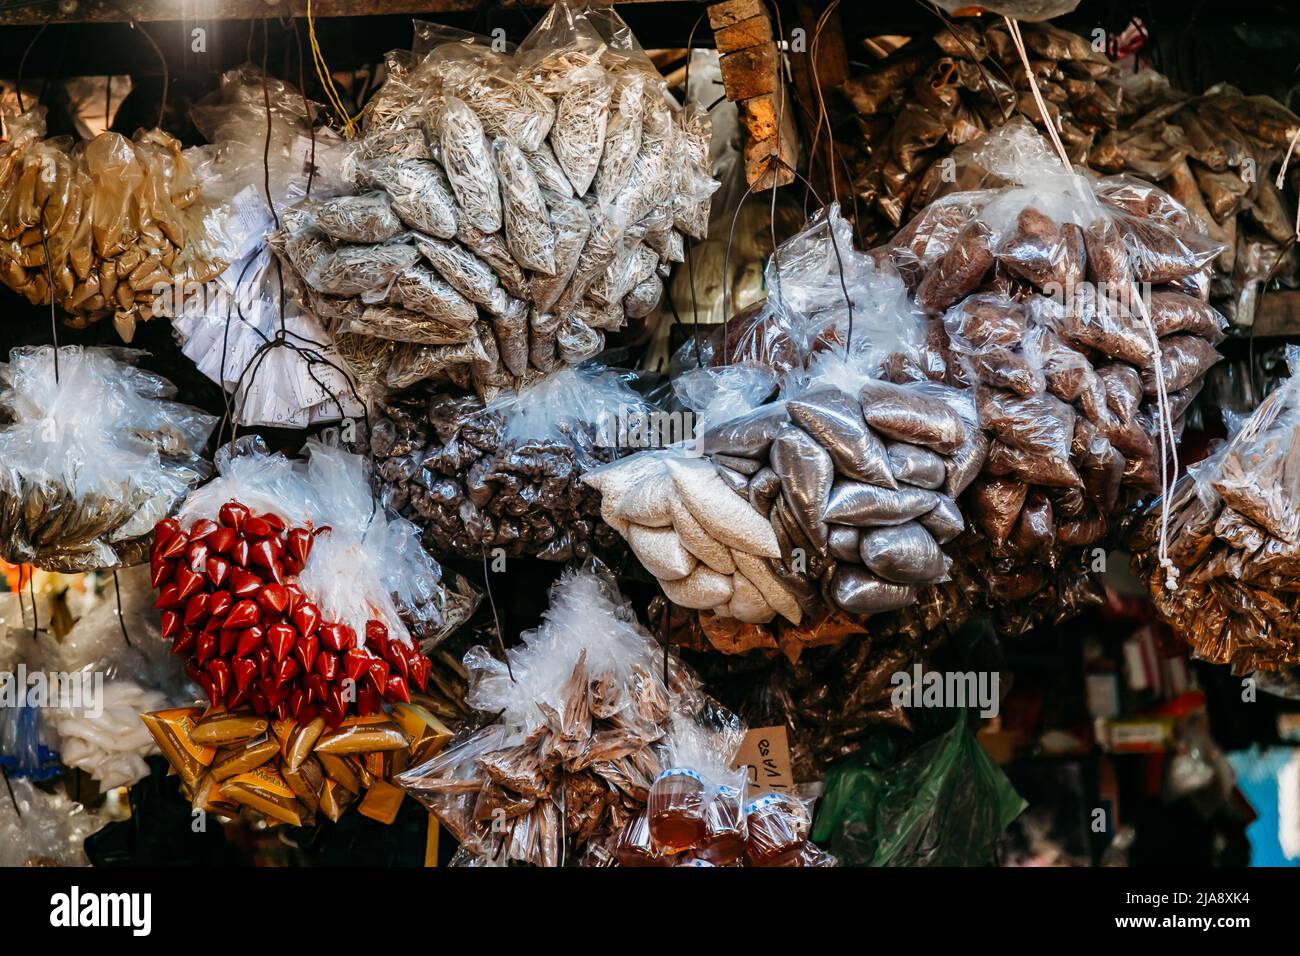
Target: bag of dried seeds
column 94, row 454
column 568, row 750
column 1234, row 536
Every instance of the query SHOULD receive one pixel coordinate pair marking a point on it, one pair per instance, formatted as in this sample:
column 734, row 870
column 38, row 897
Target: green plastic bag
column 946, row 804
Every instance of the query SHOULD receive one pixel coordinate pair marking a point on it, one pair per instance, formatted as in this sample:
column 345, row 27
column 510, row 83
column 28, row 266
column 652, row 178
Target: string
column 31, row 592
column 162, row 60
column 326, row 79
column 23, row 607
column 10, row 787
column 311, row 357
column 780, row 124
column 49, row 281
column 266, row 143
column 663, row 629
column 690, row 256
column 823, row 116
column 121, row 620
column 1164, row 420
column 1013, row 27
column 815, row 79
column 496, row 621
column 22, row 65
column 306, row 108
column 1281, row 174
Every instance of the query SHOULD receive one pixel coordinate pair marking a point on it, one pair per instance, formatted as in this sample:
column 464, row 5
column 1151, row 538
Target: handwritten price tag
column 765, row 755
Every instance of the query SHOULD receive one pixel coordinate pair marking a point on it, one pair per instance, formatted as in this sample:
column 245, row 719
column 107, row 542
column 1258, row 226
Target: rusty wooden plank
column 750, row 73
column 746, row 33
column 730, row 12
column 769, row 123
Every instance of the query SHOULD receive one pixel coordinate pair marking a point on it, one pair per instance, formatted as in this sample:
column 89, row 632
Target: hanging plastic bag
column 94, row 455
column 28, row 744
column 293, row 560
column 1234, row 531
column 259, row 165
column 110, row 223
column 1038, row 275
column 493, row 156
column 43, row 829
column 506, row 477
column 568, row 751
column 102, row 734
column 946, row 804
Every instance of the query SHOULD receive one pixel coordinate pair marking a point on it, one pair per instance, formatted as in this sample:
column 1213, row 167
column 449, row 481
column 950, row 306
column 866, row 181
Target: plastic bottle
column 778, row 829
column 632, row 845
column 676, row 809
column 724, row 828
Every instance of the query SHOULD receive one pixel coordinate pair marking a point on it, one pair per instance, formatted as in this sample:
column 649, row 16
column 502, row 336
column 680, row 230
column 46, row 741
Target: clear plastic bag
column 687, row 526
column 120, row 220
column 104, row 736
column 1037, row 272
column 466, row 157
column 366, row 567
column 529, row 235
column 43, row 829
column 695, row 807
column 520, row 138
column 258, row 173
column 575, row 709
column 93, row 459
column 506, row 475
column 1234, row 531
column 28, row 741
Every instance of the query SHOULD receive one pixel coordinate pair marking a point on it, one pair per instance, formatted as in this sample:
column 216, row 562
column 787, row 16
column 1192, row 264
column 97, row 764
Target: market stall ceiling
column 98, row 39
column 72, row 11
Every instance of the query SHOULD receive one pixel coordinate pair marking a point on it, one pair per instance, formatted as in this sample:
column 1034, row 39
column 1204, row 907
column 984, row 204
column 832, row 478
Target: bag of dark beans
column 504, row 477
column 1057, row 298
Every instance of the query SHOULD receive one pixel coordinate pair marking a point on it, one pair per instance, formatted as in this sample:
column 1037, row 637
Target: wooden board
column 751, row 65
column 750, row 73
column 198, row 11
column 770, row 125
column 746, row 33
column 730, row 12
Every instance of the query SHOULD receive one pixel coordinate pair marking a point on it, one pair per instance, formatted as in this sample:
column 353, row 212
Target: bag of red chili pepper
column 287, row 587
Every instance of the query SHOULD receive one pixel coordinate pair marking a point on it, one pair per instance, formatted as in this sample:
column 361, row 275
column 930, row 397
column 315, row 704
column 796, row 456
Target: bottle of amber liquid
column 778, row 829
column 724, row 828
column 633, row 846
column 676, row 809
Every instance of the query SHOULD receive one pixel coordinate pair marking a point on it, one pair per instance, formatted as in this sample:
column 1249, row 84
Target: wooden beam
column 769, row 125
column 742, row 34
column 199, row 11
column 750, row 73
column 751, row 77
column 730, row 12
